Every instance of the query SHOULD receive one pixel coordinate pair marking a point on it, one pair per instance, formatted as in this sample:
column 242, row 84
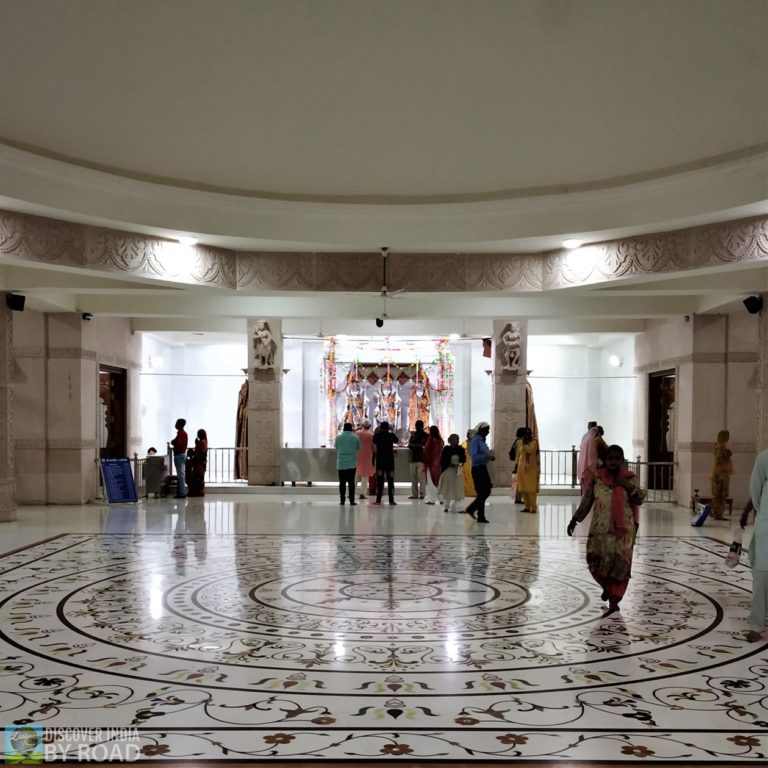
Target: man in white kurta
column 758, row 548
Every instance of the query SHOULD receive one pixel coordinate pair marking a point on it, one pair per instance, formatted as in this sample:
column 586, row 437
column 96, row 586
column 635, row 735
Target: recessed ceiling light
column 188, row 240
column 572, row 242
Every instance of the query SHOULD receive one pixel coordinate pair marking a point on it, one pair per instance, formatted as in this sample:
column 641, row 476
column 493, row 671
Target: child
column 451, row 486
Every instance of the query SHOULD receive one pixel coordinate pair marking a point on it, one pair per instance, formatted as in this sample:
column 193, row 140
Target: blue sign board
column 118, row 480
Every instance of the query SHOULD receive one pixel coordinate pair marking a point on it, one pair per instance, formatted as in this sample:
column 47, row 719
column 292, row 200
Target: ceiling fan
column 385, row 291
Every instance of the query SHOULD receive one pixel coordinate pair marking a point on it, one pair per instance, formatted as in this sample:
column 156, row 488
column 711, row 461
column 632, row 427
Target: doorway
column 661, row 429
column 112, row 410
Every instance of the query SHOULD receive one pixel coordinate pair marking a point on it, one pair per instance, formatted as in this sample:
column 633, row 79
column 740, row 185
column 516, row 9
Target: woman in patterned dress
column 614, row 498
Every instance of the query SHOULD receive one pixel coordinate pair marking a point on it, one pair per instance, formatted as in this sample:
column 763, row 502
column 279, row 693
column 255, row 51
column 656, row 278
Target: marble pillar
column 265, row 362
column 715, row 391
column 762, row 380
column 71, row 403
column 509, row 411
column 7, row 470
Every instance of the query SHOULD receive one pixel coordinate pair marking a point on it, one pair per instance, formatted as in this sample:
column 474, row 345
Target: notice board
column 118, row 480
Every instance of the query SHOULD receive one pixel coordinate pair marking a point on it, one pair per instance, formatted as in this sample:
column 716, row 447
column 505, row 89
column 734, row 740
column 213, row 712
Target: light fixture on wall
column 572, row 243
column 615, row 361
column 189, row 241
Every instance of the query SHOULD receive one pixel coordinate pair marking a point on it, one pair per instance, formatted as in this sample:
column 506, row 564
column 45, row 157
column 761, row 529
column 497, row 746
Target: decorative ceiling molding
column 24, row 237
column 713, row 245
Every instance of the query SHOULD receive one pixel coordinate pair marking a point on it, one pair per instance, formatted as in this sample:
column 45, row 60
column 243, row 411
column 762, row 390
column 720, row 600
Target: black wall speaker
column 15, row 301
column 753, row 304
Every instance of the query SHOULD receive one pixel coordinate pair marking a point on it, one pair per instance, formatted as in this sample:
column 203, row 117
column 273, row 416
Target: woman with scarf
column 433, row 449
column 529, row 470
column 614, row 498
column 197, row 461
column 466, row 470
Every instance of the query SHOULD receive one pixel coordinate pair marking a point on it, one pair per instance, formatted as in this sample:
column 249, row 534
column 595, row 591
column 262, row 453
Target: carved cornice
column 30, row 352
column 661, row 365
column 742, row 357
column 31, row 444
column 32, row 238
column 709, row 246
column 71, row 353
column 71, row 445
column 696, row 358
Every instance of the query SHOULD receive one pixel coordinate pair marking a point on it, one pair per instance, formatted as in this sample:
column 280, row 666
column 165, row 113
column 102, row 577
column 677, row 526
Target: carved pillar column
column 7, row 470
column 510, row 353
column 265, row 362
column 762, row 381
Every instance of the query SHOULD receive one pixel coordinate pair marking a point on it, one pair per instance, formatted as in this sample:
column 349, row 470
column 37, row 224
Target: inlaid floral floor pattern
column 361, row 647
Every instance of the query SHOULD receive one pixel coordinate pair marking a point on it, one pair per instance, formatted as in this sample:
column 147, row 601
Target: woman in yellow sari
column 528, row 471
column 466, row 467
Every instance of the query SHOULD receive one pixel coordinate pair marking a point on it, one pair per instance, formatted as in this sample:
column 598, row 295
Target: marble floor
column 287, row 628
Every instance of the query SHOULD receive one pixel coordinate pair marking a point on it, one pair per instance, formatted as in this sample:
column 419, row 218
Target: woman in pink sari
column 432, row 452
column 614, row 497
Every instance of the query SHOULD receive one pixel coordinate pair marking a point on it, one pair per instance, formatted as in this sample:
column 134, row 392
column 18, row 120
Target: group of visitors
column 190, row 463
column 437, row 470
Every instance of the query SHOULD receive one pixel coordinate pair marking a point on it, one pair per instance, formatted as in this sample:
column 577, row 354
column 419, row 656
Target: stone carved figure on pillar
column 387, row 403
column 264, row 346
column 511, row 341
column 356, row 404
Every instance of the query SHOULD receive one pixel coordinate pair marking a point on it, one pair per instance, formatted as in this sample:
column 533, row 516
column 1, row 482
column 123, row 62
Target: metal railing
column 221, row 468
column 222, row 465
column 558, row 470
column 657, row 478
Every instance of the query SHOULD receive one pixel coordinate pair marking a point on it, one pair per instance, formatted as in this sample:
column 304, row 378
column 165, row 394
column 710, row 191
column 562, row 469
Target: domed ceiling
column 338, row 125
column 468, row 137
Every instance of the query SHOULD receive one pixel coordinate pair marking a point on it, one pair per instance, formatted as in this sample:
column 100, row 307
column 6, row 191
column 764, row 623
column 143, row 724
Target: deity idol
column 264, row 346
column 419, row 405
column 388, row 404
column 356, row 404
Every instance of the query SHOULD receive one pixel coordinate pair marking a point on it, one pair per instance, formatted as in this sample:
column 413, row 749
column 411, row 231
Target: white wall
column 573, row 384
column 199, row 383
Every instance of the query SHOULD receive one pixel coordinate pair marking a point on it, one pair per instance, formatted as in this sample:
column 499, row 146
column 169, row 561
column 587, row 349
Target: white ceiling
column 438, row 125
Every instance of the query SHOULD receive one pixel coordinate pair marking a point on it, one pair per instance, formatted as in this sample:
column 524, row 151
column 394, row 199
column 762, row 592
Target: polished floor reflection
column 287, row 627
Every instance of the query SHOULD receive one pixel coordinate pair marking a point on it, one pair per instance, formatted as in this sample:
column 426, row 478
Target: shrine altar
column 392, row 389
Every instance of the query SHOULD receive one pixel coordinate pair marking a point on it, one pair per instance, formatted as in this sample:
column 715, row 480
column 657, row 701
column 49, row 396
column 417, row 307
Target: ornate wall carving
column 350, row 272
column 681, row 250
column 275, row 271
column 33, row 238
